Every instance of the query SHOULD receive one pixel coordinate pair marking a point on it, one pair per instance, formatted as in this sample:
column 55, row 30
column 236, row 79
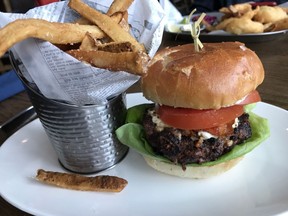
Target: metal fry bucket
column 82, row 136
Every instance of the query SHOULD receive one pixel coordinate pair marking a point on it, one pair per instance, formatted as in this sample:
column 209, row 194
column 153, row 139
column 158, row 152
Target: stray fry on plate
column 103, row 183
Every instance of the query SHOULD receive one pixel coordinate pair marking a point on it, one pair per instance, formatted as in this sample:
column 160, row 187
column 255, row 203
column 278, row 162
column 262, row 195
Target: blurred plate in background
column 219, row 36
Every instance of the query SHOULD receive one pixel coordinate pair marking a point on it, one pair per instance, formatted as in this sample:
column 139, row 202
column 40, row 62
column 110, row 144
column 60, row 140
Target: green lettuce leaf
column 132, row 134
column 249, row 107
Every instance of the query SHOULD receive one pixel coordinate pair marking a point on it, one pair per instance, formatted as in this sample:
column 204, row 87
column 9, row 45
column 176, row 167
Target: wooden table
column 274, row 90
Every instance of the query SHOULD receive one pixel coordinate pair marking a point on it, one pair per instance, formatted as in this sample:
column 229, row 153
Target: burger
column 199, row 123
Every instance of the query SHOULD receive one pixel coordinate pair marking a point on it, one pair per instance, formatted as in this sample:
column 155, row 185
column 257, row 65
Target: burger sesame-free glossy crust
column 218, row 76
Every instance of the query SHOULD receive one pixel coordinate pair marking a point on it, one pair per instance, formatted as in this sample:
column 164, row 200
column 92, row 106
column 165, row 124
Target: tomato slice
column 222, row 129
column 252, row 97
column 193, row 119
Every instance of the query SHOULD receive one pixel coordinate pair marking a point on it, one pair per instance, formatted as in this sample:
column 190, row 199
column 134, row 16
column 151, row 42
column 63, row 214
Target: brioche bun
column 194, row 172
column 218, row 76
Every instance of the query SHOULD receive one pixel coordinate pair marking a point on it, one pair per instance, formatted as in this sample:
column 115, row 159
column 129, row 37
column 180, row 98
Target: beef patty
column 189, row 146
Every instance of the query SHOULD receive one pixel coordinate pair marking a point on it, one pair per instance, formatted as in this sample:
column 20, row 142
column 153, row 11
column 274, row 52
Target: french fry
column 88, row 43
column 131, row 62
column 124, row 22
column 83, row 21
column 101, row 183
column 66, row 47
column 104, row 22
column 56, row 33
column 119, row 6
column 116, row 17
column 101, row 40
column 115, row 47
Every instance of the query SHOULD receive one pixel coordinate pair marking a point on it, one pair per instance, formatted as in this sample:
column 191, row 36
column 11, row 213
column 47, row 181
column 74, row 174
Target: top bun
column 217, row 76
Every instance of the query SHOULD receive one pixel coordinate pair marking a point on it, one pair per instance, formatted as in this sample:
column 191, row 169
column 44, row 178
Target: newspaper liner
column 59, row 76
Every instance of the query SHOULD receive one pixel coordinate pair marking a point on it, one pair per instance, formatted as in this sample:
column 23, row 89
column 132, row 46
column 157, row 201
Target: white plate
column 257, row 186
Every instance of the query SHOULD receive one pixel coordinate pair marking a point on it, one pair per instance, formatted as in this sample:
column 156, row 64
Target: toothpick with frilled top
column 195, row 30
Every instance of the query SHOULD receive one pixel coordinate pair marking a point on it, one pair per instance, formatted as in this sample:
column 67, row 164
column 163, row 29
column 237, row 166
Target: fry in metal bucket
column 56, row 33
column 123, row 21
column 83, row 21
column 119, row 6
column 88, row 43
column 115, row 47
column 104, row 22
column 116, row 17
column 131, row 62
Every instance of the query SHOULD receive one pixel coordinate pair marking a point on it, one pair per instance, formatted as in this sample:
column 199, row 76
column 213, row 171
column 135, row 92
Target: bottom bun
column 192, row 172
